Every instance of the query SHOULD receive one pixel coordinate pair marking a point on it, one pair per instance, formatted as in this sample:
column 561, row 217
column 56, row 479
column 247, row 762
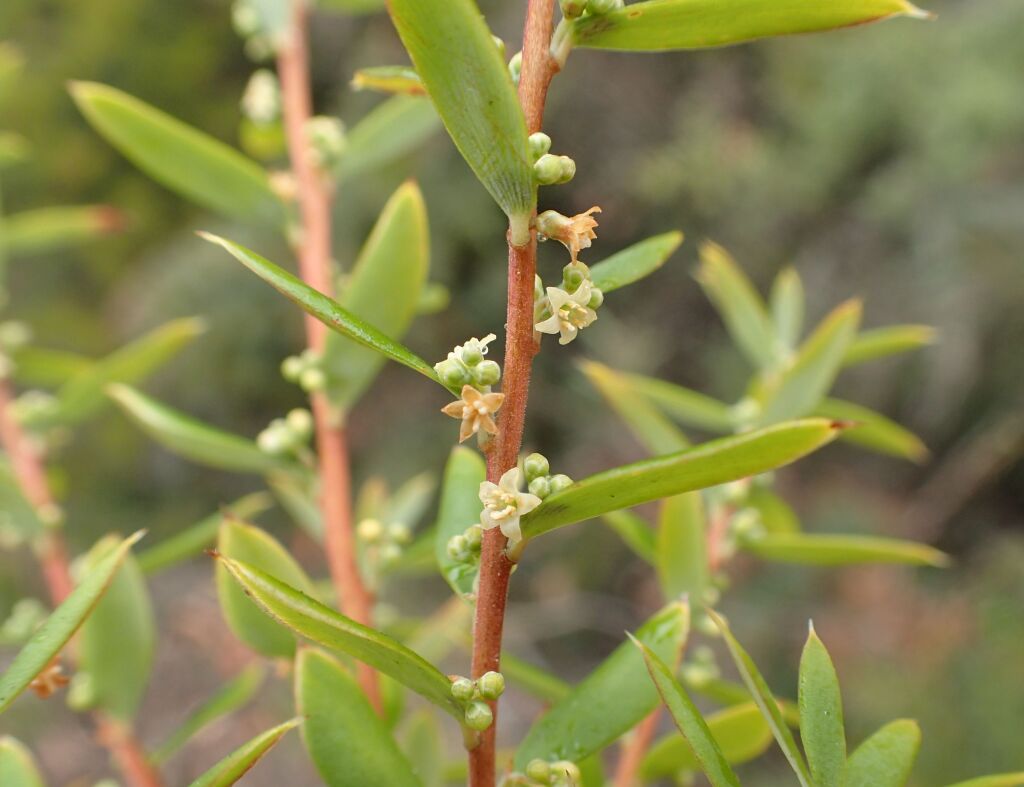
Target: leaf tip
column 919, row 13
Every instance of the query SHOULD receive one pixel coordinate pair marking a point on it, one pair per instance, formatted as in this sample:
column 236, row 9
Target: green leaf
column 257, row 548
column 347, row 741
column 821, row 714
column 383, row 289
column 17, row 765
column 840, row 550
column 233, row 695
column 85, row 393
column 117, row 641
column 741, row 733
column 423, row 745
column 634, row 262
column 801, row 386
column 533, row 680
column 689, row 721
column 410, row 501
column 323, row 625
column 398, row 80
column 776, row 515
column 391, row 131
column 891, row 340
column 191, row 438
column 787, row 307
column 191, row 541
column 237, row 764
column 328, row 311
column 762, row 696
column 62, row 623
column 886, row 758
column 728, row 288
column 459, row 508
column 46, row 230
column 681, row 554
column 873, row 430
column 709, row 464
column 187, row 161
column 611, row 699
column 44, row 367
column 452, row 50
column 660, row 25
column 19, row 521
column 995, row 780
column 683, row 404
column 726, row 692
column 634, row 530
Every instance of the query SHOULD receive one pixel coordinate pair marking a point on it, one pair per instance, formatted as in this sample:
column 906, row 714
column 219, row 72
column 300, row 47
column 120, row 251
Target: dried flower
column 504, row 504
column 574, row 233
column 46, row 683
column 569, row 313
column 475, row 410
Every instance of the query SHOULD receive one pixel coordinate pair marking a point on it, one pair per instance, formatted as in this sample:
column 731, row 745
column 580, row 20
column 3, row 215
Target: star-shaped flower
column 569, row 312
column 574, row 233
column 504, row 504
column 475, row 409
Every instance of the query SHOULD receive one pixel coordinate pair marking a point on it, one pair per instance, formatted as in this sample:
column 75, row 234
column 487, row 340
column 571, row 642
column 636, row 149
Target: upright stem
column 634, row 749
column 538, row 68
column 52, row 554
column 313, row 246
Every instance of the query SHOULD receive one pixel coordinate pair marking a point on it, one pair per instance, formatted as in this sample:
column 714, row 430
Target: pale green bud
column 500, row 45
column 312, row 379
column 515, row 66
column 535, row 466
column 245, row 19
column 540, row 143
column 300, row 422
column 81, row 692
column 472, row 354
column 540, row 486
column 457, row 547
column 539, row 770
column 291, row 368
column 573, row 275
column 261, row 101
column 389, row 553
column 548, row 169
column 452, row 373
column 274, row 439
column 560, row 482
column 400, row 533
column 326, row 139
column 492, row 685
column 596, row 298
column 479, row 716
column 474, row 536
column 370, row 530
column 486, row 373
column 746, row 524
column 568, row 169
column 463, row 689
column 568, row 770
column 598, row 7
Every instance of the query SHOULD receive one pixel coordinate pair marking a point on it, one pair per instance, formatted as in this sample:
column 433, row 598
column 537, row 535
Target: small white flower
column 569, row 312
column 475, row 410
column 504, row 504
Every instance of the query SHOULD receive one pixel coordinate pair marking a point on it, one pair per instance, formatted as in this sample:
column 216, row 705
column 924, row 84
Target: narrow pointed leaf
column 994, row 780
column 383, row 289
column 62, row 623
column 232, row 696
column 740, row 732
column 187, row 161
column 47, row 368
column 886, row 758
column 257, row 548
column 787, row 307
column 117, row 641
column 874, row 430
column 840, row 550
column 17, row 765
column 611, row 700
column 635, row 262
column 398, row 80
column 742, row 309
column 192, row 439
column 726, row 692
column 328, row 311
column 709, row 464
column 801, row 386
column 762, row 696
column 233, row 767
column 46, row 230
column 659, row 25
column 322, row 625
column 391, row 131
column 634, row 531
column 347, row 741
column 681, row 554
column 452, row 50
column 459, row 508
column 686, row 406
column 689, row 721
column 891, row 340
column 821, row 714
column 85, row 393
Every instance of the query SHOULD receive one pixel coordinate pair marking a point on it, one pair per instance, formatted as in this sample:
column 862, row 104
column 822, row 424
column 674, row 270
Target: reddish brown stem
column 634, row 749
column 128, row 754
column 538, row 67
column 313, row 246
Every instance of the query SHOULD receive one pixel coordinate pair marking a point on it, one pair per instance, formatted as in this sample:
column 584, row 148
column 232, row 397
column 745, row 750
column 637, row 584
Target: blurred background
column 885, row 162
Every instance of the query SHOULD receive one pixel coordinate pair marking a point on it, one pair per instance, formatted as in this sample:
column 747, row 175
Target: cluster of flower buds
column 466, row 369
column 383, row 544
column 555, row 773
column 573, row 9
column 474, row 694
column 701, row 667
column 306, row 370
column 539, row 480
column 326, row 139
column 287, row 435
column 13, row 336
column 251, row 25
column 566, row 310
column 465, row 547
column 548, row 168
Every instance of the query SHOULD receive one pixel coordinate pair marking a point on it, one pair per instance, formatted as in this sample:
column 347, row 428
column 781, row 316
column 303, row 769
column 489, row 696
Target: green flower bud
column 291, row 368
column 540, row 486
column 535, row 466
column 312, row 379
column 539, row 770
column 596, row 298
column 82, row 692
column 547, row 169
column 486, row 373
column 370, row 530
column 499, row 44
column 598, row 7
column 300, row 422
column 326, row 139
column 479, row 716
column 400, row 533
column 275, row 439
column 474, row 536
column 568, row 169
column 463, row 689
column 746, row 524
column 457, row 547
column 540, row 143
column 572, row 9
column 492, row 685
column 389, row 553
column 568, row 770
column 573, row 275
column 560, row 482
column 515, row 66
column 452, row 373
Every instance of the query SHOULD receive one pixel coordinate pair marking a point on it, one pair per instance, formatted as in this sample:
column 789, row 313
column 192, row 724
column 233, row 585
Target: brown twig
column 51, row 551
column 538, row 68
column 313, row 246
column 634, row 749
